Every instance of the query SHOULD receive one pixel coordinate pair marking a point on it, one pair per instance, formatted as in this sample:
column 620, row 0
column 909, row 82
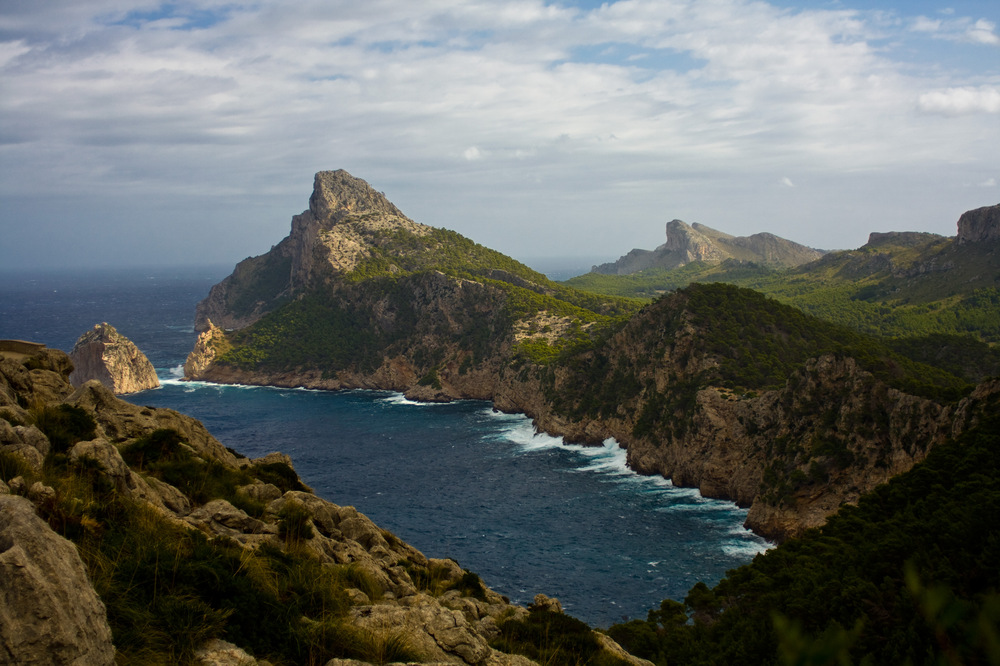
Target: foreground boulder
column 49, row 612
column 106, row 355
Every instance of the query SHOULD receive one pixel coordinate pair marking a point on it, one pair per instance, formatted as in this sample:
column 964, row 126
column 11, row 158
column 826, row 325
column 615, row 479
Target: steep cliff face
column 106, row 355
column 690, row 243
column 981, row 225
column 828, row 431
column 345, row 219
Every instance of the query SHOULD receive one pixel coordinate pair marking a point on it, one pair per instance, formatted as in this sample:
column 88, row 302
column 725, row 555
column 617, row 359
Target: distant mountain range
column 698, row 243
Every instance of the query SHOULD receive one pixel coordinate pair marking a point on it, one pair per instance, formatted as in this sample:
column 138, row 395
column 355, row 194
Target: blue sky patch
column 191, row 18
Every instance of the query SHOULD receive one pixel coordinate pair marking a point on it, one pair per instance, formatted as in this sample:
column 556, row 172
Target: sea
column 527, row 512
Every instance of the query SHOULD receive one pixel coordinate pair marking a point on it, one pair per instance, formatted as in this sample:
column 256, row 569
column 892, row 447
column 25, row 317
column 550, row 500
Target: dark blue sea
column 526, row 512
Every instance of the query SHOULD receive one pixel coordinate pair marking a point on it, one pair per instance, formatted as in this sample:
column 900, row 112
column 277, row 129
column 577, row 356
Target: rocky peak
column 345, row 221
column 691, row 244
column 697, row 242
column 981, row 225
column 106, row 355
column 337, row 194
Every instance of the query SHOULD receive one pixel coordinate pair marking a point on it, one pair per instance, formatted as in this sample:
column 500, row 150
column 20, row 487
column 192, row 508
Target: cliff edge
column 713, row 386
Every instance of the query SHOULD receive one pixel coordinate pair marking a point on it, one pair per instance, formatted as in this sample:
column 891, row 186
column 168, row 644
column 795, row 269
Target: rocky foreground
column 56, row 484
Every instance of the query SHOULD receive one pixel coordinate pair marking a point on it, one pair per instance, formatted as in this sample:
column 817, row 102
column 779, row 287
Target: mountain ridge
column 899, row 284
column 699, row 243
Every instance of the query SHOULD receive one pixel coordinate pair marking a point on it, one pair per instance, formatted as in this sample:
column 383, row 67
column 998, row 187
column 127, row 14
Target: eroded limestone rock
column 106, row 355
column 49, row 612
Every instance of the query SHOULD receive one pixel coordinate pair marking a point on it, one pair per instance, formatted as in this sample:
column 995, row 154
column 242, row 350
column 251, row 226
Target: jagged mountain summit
column 346, row 221
column 694, row 386
column 696, row 242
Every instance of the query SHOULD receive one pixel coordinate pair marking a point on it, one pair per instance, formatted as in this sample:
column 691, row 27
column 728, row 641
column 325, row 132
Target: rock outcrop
column 331, row 237
column 106, row 355
column 206, row 348
column 689, row 243
column 49, row 612
column 981, row 225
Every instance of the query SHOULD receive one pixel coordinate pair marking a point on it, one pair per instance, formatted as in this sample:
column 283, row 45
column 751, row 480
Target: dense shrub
column 549, row 637
column 164, row 454
column 64, row 425
column 909, row 575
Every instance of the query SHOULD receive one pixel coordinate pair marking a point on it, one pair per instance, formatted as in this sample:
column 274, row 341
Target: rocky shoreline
column 720, row 453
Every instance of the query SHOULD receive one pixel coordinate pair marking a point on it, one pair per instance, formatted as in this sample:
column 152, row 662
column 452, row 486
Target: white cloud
column 787, row 182
column 962, row 29
column 961, row 101
column 671, row 101
column 924, row 24
column 983, row 32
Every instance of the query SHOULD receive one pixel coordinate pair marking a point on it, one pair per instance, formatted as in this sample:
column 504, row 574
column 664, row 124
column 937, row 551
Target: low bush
column 164, row 454
column 554, row 639
column 64, row 425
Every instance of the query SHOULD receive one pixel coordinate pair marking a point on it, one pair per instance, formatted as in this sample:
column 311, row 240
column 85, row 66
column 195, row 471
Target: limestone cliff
column 106, row 355
column 49, row 612
column 345, row 218
column 981, row 225
column 690, row 243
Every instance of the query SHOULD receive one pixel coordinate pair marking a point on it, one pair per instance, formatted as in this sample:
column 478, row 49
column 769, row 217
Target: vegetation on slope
column 169, row 589
column 754, row 342
column 170, row 582
column 381, row 307
column 909, row 575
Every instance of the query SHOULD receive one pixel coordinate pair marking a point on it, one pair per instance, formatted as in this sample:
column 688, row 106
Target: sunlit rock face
column 696, row 242
column 981, row 225
column 106, row 355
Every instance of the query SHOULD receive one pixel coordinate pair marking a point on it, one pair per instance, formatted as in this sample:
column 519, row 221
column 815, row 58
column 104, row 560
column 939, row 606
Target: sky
column 147, row 133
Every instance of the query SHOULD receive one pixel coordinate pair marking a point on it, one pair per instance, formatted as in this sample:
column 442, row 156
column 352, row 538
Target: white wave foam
column 522, row 432
column 400, row 399
column 746, row 548
column 193, row 385
column 609, row 459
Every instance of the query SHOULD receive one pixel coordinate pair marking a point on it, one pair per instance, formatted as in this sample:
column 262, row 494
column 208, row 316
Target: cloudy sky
column 188, row 132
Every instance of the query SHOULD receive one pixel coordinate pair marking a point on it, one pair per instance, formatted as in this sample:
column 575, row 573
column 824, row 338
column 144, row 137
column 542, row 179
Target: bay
column 525, row 511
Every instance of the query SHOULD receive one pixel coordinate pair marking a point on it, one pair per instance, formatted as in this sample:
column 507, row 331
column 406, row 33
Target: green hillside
column 753, row 343
column 380, row 309
column 909, row 576
column 898, row 285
